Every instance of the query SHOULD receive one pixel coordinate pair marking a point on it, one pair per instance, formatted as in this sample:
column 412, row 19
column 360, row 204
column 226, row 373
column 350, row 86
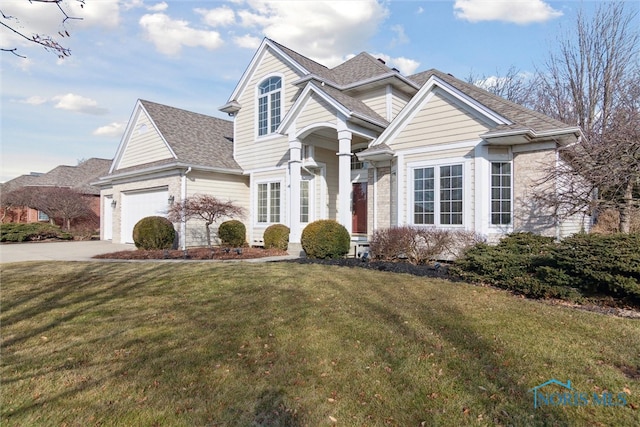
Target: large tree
column 62, row 203
column 206, row 208
column 15, row 25
column 591, row 81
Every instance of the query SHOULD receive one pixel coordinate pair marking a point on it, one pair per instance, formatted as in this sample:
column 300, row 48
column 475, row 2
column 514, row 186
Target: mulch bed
column 194, row 254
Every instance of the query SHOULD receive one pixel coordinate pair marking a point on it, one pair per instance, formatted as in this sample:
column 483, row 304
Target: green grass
column 286, row 344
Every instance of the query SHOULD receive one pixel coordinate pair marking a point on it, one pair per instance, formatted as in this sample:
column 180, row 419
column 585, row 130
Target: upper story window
column 269, row 105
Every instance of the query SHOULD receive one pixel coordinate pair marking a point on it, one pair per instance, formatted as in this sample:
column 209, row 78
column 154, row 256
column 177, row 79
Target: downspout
column 183, row 197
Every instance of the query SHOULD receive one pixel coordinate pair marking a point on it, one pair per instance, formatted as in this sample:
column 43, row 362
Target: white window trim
column 254, row 205
column 256, row 96
column 467, row 212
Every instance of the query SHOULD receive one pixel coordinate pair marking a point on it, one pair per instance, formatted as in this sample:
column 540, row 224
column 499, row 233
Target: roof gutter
column 163, row 168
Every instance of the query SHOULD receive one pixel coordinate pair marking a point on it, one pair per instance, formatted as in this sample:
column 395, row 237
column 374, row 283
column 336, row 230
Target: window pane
column 262, row 202
column 423, row 195
column 262, row 115
column 500, row 193
column 304, row 201
column 451, row 194
column 275, row 111
column 274, row 211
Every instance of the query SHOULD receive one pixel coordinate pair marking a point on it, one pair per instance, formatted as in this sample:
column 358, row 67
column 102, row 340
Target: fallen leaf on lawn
column 465, row 411
column 333, row 420
column 626, row 390
column 331, row 400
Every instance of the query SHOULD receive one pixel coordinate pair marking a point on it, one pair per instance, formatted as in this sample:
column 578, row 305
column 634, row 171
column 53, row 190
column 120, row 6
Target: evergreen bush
column 232, row 233
column 325, row 238
column 154, row 232
column 33, row 231
column 276, row 236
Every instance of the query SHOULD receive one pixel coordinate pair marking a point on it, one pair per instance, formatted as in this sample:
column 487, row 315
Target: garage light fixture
column 113, row 203
column 171, row 200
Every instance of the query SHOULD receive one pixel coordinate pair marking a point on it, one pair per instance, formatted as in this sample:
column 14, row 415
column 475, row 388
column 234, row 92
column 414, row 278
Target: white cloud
column 114, row 129
column 45, row 18
column 323, row 30
column 78, row 104
column 401, row 36
column 218, row 17
column 170, row 35
column 518, row 12
column 34, row 100
column 247, row 41
column 406, row 66
column 420, row 10
column 158, row 7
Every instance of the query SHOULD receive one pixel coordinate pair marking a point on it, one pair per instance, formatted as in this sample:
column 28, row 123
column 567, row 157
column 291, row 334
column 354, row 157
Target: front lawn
column 287, row 344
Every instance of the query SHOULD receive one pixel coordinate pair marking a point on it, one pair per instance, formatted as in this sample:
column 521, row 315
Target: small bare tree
column 12, row 24
column 592, row 82
column 204, row 207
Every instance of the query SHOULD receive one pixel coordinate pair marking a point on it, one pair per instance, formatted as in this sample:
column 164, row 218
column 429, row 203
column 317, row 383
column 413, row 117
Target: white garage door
column 137, row 205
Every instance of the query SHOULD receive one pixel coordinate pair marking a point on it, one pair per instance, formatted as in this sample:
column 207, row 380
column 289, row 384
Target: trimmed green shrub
column 33, row 231
column 232, row 233
column 514, row 264
column 602, row 265
column 276, row 236
column 325, row 238
column 154, row 232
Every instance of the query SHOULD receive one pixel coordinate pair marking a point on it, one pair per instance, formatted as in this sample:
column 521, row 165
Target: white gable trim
column 138, row 109
column 255, row 62
column 431, row 87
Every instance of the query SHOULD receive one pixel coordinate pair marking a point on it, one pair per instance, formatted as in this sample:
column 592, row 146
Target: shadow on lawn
column 161, row 362
column 507, row 402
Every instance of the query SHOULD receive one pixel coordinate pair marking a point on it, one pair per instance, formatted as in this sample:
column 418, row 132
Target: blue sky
column 190, row 54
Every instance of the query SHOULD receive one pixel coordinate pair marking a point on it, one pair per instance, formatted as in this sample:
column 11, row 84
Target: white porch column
column 344, row 178
column 295, row 163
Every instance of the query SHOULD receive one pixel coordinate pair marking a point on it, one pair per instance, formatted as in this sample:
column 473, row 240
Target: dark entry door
column 359, row 211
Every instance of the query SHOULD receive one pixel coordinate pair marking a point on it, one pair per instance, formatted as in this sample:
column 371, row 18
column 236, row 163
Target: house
column 359, row 143
column 167, row 154
column 76, row 177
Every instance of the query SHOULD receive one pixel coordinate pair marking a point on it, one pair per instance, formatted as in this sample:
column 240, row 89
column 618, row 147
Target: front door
column 359, row 211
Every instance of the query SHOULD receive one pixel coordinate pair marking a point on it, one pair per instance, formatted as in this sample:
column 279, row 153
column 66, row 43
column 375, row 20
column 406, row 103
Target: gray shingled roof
column 361, row 67
column 78, row 177
column 196, row 139
column 365, row 67
column 523, row 118
column 15, row 183
column 354, row 105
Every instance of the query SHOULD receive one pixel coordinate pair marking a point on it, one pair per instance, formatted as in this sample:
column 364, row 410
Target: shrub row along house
column 19, row 192
column 359, row 143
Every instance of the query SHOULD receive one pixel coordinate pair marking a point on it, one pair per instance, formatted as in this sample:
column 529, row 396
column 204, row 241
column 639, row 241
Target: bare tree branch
column 44, row 40
column 592, row 81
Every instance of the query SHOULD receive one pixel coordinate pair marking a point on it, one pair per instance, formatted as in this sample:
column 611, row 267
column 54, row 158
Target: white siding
column 314, row 111
column 252, row 152
column 376, row 100
column 438, row 122
column 225, row 187
column 145, row 145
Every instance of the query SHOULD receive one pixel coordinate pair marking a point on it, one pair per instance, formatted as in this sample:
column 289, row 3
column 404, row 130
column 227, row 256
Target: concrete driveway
column 58, row 251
